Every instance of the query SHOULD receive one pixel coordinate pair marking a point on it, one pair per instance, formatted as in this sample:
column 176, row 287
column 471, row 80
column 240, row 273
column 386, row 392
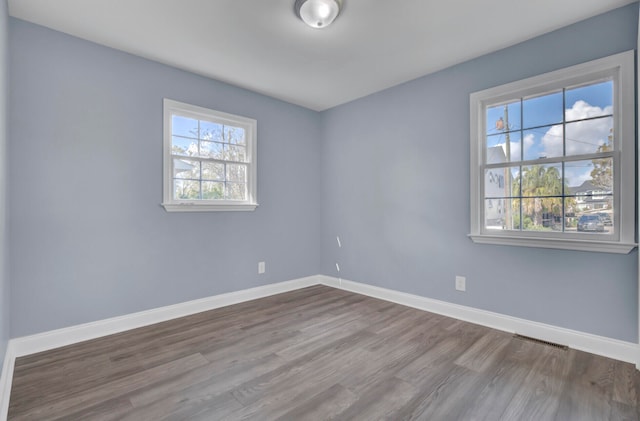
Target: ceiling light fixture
column 318, row 13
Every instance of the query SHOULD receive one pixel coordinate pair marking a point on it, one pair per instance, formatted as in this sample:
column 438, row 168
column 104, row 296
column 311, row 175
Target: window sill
column 562, row 244
column 197, row 207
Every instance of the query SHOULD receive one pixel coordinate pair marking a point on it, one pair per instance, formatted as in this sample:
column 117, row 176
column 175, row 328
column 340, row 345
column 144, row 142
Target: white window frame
column 620, row 68
column 170, row 204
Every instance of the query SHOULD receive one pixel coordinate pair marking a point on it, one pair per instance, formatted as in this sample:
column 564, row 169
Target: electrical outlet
column 461, row 283
column 261, row 268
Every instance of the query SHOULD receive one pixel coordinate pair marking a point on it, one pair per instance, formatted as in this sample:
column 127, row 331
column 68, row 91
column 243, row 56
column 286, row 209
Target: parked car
column 606, row 218
column 591, row 222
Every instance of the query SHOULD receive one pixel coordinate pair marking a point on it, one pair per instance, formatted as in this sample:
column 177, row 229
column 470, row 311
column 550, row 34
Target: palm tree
column 541, row 189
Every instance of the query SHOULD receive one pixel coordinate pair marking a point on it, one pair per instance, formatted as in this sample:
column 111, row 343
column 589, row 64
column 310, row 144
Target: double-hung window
column 553, row 159
column 209, row 159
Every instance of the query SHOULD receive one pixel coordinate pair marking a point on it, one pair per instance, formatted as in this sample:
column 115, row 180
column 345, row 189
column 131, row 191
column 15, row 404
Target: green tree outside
column 541, row 190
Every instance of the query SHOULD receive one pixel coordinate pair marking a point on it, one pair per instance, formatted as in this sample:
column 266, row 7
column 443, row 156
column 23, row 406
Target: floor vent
column 540, row 341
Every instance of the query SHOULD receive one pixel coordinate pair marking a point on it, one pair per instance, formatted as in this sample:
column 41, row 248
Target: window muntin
column 549, row 149
column 209, row 159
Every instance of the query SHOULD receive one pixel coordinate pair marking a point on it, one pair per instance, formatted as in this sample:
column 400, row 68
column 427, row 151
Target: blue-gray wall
column 88, row 237
column 395, row 171
column 89, row 240
column 4, row 272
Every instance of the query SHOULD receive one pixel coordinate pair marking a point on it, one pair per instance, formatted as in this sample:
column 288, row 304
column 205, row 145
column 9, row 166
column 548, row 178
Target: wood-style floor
column 320, row 353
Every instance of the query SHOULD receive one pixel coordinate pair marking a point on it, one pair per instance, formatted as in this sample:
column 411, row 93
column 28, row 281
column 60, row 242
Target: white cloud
column 583, row 136
column 528, row 141
column 552, row 141
column 582, row 109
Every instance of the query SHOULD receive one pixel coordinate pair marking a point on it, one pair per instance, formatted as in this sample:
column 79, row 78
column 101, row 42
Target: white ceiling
column 261, row 45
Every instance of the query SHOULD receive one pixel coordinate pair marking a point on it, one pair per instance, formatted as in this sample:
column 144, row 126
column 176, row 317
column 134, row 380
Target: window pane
column 542, row 180
column 499, row 183
column 577, row 175
column 236, row 191
column 212, row 190
column 577, row 207
column 183, row 126
column 590, row 136
column 543, row 142
column 542, row 214
column 497, row 147
column 212, row 171
column 503, row 118
column 591, row 100
column 237, row 173
column 184, row 146
column 585, row 177
column 186, row 189
column 502, row 214
column 542, row 111
column 236, row 153
column 213, row 150
column 234, row 135
column 494, row 213
column 186, row 169
column 580, row 217
column 211, row 131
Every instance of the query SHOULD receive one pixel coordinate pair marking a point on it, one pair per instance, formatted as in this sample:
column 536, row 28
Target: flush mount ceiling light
column 318, row 13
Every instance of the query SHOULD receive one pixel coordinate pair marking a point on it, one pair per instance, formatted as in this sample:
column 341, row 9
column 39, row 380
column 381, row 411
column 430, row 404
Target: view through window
column 549, row 162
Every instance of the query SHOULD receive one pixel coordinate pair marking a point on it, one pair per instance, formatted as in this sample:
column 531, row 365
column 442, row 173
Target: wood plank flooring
column 320, row 353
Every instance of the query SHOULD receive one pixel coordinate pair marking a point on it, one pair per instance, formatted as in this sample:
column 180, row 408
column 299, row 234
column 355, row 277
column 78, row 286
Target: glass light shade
column 317, row 13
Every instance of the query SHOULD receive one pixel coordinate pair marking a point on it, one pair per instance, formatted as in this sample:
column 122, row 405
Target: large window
column 552, row 159
column 209, row 159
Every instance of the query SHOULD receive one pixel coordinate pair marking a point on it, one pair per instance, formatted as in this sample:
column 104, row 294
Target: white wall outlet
column 261, row 268
column 461, row 283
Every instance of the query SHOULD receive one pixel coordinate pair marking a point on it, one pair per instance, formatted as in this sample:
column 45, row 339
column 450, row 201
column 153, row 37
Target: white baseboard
column 5, row 381
column 17, row 347
column 599, row 345
column 61, row 337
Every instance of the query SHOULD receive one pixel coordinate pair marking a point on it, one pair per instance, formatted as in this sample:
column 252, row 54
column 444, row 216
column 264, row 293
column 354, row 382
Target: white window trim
column 621, row 68
column 250, row 126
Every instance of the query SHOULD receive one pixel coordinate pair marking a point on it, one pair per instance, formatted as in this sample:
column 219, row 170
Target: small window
column 552, row 159
column 209, row 159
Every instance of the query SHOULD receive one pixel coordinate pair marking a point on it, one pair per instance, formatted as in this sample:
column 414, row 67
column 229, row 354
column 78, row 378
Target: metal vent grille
column 540, row 341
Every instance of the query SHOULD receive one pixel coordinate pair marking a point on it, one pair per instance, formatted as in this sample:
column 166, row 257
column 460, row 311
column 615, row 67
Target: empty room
column 319, row 209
